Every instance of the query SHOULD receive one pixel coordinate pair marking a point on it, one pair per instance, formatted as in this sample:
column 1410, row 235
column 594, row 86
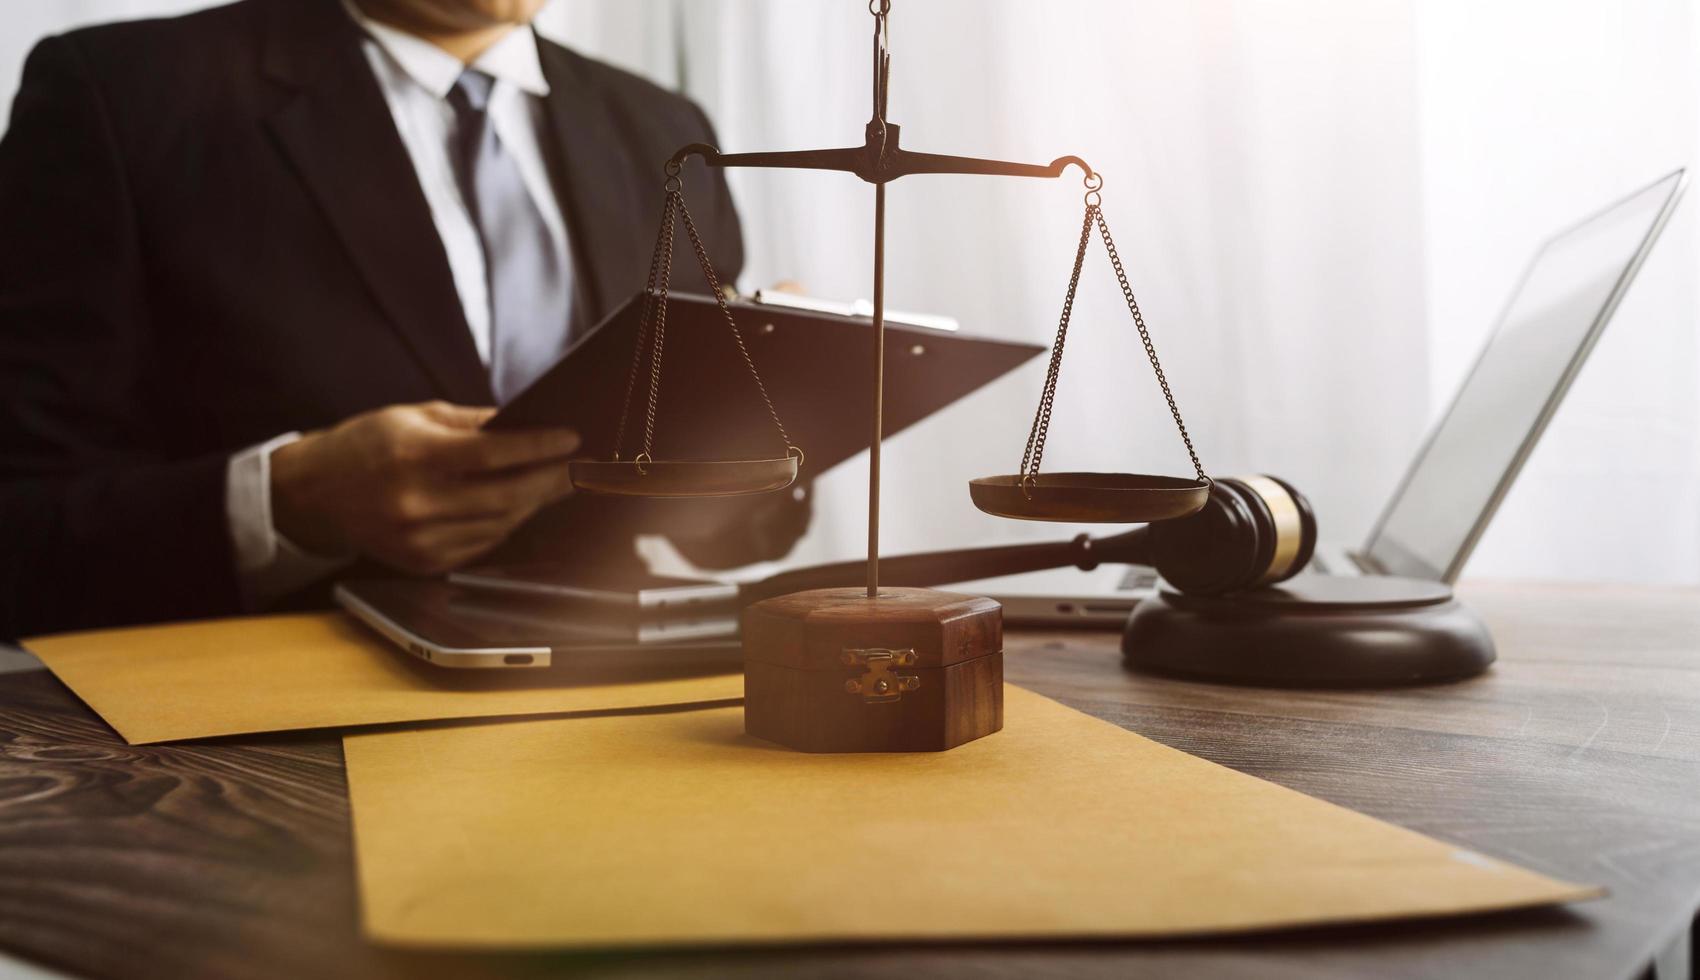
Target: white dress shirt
column 416, row 77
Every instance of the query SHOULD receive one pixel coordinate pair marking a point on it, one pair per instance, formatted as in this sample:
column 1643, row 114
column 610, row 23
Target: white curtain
column 1533, row 115
column 1262, row 181
column 1321, row 205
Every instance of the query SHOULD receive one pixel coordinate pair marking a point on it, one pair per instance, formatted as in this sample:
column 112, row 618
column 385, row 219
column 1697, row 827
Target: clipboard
column 814, row 361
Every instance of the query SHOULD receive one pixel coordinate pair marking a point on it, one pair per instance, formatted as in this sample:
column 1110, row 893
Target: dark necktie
column 530, row 284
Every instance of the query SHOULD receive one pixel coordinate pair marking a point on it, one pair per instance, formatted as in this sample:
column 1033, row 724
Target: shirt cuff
column 268, row 565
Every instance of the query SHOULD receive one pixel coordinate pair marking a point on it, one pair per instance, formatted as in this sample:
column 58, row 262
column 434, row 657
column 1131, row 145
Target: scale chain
column 660, row 335
column 652, row 324
column 1145, row 337
column 1042, row 417
column 1035, row 451
column 656, row 329
column 731, row 324
column 654, row 286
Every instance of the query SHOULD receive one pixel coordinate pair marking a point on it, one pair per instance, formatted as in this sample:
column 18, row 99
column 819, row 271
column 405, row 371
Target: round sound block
column 1312, row 631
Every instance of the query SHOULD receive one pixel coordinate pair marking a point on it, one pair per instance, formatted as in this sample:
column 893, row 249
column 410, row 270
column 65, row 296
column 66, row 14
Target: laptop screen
column 1564, row 300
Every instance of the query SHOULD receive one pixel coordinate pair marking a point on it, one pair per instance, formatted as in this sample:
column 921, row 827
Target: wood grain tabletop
column 1578, row 755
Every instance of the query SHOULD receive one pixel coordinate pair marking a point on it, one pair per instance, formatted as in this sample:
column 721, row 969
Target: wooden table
column 1578, row 756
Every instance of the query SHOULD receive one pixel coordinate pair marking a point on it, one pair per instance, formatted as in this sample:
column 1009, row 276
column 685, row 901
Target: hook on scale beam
column 874, row 166
column 881, row 158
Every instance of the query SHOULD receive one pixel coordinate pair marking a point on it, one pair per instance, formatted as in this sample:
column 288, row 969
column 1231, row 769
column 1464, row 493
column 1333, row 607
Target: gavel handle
column 963, row 564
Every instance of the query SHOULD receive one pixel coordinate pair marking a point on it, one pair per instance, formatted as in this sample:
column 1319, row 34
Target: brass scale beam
column 879, row 160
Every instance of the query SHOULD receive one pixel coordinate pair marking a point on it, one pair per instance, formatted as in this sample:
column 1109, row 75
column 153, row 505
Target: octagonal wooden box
column 830, row 670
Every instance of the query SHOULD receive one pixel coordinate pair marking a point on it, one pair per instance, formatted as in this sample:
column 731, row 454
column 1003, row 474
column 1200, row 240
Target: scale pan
column 681, row 478
column 1090, row 498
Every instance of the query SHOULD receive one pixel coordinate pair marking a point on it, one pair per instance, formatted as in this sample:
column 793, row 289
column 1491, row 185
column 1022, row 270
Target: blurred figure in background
column 264, row 271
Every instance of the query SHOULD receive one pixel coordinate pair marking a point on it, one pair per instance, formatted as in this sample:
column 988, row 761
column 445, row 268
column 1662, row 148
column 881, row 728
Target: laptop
column 1471, row 457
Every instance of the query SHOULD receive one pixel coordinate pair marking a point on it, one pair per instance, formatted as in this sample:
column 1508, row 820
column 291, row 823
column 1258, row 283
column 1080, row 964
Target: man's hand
column 418, row 487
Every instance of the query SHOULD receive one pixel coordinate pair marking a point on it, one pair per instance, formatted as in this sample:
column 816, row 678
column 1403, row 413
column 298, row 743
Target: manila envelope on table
column 677, row 828
column 323, row 670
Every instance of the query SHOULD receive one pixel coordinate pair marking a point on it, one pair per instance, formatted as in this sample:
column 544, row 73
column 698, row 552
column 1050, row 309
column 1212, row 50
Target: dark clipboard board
column 817, row 367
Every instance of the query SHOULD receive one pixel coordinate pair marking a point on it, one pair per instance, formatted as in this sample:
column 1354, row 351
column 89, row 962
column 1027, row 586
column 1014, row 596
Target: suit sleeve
column 98, row 526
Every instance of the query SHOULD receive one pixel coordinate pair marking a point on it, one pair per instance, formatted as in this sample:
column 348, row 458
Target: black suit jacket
column 211, row 233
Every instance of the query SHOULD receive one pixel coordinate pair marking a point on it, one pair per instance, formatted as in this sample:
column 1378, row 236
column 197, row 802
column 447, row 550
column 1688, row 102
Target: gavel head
column 1253, row 531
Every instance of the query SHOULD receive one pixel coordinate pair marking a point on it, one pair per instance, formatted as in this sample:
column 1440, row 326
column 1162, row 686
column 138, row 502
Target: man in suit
column 265, row 268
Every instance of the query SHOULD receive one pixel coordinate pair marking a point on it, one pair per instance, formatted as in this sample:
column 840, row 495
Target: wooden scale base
column 914, row 670
column 1312, row 631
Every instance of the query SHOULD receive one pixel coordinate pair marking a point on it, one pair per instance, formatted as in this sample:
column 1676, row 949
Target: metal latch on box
column 878, row 683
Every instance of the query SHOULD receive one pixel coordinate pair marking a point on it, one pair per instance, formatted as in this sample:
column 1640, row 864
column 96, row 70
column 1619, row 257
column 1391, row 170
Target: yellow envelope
column 679, row 829
column 323, row 670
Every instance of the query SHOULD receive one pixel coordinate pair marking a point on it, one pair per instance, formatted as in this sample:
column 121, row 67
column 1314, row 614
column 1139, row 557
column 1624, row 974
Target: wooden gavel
column 1252, row 531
